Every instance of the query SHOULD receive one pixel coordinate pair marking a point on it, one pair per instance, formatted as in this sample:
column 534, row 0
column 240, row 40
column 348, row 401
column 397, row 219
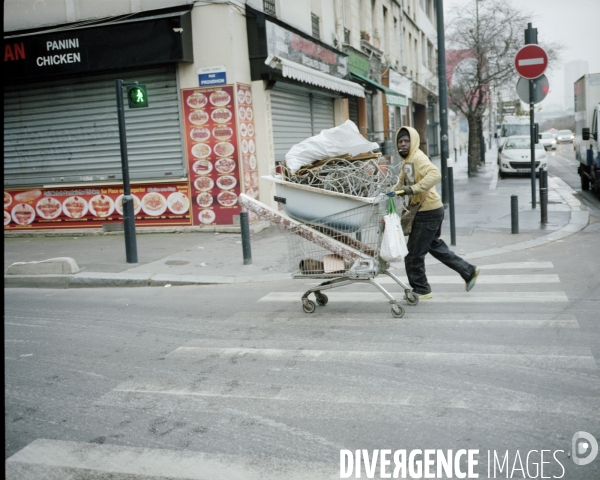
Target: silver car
column 565, row 136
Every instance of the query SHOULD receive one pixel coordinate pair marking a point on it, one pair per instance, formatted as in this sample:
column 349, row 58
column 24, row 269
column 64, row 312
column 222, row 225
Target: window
column 269, row 7
column 346, row 36
column 315, row 26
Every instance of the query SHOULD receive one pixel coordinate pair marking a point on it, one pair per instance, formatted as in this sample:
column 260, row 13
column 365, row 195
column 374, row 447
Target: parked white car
column 547, row 140
column 515, row 156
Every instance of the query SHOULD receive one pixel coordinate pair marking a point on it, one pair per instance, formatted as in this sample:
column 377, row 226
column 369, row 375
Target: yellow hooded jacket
column 418, row 173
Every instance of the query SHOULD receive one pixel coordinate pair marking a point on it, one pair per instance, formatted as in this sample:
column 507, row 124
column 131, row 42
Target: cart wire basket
column 360, row 229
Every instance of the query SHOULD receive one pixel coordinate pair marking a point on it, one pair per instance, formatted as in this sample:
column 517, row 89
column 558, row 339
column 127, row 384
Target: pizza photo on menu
column 197, row 100
column 200, row 134
column 75, row 207
column 220, row 98
column 251, row 146
column 221, row 115
column 243, row 130
column 7, row 199
column 49, row 208
column 178, row 203
column 226, row 182
column 225, row 165
column 248, row 97
column 198, row 117
column 250, row 130
column 227, row 199
column 154, row 204
column 204, row 199
column 23, row 214
column 202, row 167
column 207, row 216
column 201, row 150
column 224, row 149
column 242, row 113
column 222, row 132
column 7, row 218
column 137, row 204
column 101, row 206
column 204, row 184
column 249, row 114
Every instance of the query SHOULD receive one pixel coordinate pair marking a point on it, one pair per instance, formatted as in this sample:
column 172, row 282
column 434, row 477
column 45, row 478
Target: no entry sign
column 531, row 61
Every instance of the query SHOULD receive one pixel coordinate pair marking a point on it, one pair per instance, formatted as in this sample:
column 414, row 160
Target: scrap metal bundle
column 360, row 176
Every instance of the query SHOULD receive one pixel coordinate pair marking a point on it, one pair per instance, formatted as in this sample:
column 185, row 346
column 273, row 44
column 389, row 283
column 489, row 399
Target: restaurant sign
column 284, row 43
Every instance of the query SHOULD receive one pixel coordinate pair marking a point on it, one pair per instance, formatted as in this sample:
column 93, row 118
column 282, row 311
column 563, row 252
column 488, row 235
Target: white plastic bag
column 331, row 142
column 393, row 244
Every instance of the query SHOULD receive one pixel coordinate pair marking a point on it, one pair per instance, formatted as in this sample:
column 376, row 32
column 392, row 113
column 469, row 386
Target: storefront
column 62, row 162
column 302, row 82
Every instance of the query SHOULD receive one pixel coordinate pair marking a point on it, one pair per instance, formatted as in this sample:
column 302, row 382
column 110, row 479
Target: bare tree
column 483, row 38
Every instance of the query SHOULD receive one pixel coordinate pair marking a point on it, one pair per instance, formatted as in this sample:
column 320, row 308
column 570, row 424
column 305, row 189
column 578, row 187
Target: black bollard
column 451, row 204
column 544, row 204
column 245, row 228
column 514, row 213
column 454, row 155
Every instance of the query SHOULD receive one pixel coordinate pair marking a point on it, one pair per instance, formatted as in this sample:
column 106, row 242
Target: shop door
column 297, row 115
column 353, row 109
column 66, row 131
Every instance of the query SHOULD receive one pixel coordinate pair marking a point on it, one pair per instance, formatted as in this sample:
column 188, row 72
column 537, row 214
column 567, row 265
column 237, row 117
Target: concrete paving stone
column 52, row 266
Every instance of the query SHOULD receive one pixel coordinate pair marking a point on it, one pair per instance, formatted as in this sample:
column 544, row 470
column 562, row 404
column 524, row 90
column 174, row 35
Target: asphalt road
column 237, row 382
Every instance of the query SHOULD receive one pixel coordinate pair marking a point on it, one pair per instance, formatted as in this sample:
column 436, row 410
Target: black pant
column 424, row 238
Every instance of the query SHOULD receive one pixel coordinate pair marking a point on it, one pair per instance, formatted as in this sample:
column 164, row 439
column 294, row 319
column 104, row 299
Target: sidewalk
column 483, row 228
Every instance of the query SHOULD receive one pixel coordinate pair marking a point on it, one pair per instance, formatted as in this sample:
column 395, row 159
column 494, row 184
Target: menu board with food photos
column 247, row 143
column 212, row 154
column 154, row 205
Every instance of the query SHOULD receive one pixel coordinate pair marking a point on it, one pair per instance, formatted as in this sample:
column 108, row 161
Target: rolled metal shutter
column 323, row 117
column 297, row 115
column 353, row 109
column 291, row 120
column 67, row 131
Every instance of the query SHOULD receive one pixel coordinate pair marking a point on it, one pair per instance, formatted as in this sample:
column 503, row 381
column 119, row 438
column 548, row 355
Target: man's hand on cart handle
column 404, row 190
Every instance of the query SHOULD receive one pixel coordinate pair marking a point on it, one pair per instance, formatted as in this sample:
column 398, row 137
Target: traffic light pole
column 128, row 209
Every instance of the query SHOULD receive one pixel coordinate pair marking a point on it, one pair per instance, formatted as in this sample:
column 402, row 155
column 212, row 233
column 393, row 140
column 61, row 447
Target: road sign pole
column 531, row 38
column 532, row 141
column 128, row 209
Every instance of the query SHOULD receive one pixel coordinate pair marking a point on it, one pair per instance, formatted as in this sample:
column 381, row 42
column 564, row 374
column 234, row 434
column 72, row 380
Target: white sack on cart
column 393, row 244
column 329, row 143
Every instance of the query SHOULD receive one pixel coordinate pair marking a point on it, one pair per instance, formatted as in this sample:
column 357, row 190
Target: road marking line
column 531, row 61
column 482, row 280
column 511, row 265
column 459, row 297
column 122, row 462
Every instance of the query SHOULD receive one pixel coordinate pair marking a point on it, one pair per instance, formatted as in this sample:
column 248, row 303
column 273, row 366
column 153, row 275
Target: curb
column 98, row 280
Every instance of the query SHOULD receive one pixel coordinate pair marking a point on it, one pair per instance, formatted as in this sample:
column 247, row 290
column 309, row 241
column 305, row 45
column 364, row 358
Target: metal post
column 514, row 213
column 128, row 210
column 451, row 204
column 531, row 38
column 455, row 157
column 245, row 228
column 544, row 196
column 443, row 100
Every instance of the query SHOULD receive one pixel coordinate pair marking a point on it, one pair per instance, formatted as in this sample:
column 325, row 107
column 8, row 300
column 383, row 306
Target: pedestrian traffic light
column 137, row 96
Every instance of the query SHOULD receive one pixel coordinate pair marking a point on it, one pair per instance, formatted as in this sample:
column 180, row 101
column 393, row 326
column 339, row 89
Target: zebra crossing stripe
column 459, row 297
column 58, row 459
column 482, row 280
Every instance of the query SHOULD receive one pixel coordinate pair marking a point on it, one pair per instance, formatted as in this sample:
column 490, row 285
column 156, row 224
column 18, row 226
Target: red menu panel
column 247, row 143
column 154, row 205
column 212, row 154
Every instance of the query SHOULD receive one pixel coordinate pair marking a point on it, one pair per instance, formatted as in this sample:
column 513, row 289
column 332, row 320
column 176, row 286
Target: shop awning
column 301, row 73
column 392, row 98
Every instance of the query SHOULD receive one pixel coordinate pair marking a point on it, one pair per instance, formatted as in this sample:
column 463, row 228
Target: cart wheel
column 411, row 297
column 321, row 298
column 308, row 306
column 397, row 311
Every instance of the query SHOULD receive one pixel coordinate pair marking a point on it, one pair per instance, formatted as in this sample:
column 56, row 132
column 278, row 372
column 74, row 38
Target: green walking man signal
column 137, row 96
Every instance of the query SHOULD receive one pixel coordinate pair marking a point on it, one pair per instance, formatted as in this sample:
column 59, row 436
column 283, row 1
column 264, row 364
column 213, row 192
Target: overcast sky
column 572, row 23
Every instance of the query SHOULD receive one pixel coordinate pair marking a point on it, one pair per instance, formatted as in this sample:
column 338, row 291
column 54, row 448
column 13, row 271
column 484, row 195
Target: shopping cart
column 360, row 230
